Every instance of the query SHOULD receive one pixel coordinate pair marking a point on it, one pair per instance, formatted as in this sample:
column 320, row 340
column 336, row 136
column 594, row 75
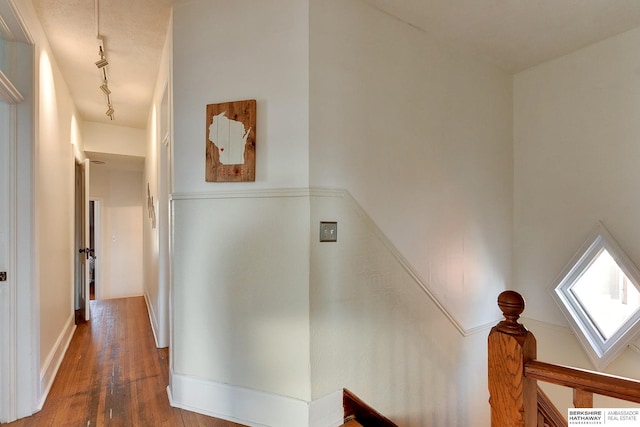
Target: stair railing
column 514, row 371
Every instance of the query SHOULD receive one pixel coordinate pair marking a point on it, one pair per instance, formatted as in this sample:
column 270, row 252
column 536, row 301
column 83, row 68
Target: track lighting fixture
column 105, row 88
column 101, row 63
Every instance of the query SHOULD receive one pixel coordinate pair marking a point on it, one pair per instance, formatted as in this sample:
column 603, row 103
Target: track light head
column 110, row 112
column 105, row 88
column 102, row 62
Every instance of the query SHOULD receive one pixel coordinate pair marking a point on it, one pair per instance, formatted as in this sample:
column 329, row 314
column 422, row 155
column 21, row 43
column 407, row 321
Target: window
column 599, row 294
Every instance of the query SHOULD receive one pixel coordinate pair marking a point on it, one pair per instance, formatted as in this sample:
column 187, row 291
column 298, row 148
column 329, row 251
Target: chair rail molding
column 364, row 217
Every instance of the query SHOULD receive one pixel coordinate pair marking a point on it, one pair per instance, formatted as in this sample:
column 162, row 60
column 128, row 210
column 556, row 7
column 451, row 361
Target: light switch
column 328, row 231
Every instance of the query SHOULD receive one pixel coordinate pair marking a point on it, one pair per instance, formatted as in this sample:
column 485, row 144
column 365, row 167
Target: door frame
column 97, row 243
column 82, row 281
column 20, row 329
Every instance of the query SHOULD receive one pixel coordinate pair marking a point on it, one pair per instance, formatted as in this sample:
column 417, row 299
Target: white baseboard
column 327, row 411
column 154, row 322
column 251, row 407
column 52, row 364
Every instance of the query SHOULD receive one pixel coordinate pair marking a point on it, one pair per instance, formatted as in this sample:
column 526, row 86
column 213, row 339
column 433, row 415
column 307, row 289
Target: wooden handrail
column 593, row 382
column 548, row 414
column 356, row 408
column 514, row 371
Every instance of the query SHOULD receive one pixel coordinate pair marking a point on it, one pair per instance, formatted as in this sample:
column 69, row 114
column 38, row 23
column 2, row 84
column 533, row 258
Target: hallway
column 113, row 375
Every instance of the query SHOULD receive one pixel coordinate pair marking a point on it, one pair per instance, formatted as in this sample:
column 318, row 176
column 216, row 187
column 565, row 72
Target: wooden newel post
column 512, row 396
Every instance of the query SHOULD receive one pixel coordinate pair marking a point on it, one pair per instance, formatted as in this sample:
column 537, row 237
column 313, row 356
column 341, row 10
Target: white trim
column 248, row 194
column 328, row 411
column 251, row 407
column 163, row 229
column 601, row 350
column 152, row 318
column 8, row 92
column 54, row 359
column 16, row 27
column 78, row 155
column 540, row 323
column 393, row 250
column 5, row 32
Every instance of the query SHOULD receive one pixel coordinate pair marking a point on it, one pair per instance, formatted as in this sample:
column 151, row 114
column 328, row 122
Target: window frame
column 601, row 351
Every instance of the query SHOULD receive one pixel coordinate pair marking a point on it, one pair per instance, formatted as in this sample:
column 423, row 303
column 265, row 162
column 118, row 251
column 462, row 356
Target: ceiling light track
column 102, row 64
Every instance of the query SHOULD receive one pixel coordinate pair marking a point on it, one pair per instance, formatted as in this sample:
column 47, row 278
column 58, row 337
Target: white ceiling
column 133, row 32
column 513, row 34
column 517, row 34
column 115, row 161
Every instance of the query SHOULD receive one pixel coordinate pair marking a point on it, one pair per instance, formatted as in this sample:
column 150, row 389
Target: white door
column 6, row 292
column 83, row 249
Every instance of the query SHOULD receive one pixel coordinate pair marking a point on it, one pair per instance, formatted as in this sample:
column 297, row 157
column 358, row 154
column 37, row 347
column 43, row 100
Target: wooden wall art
column 231, row 142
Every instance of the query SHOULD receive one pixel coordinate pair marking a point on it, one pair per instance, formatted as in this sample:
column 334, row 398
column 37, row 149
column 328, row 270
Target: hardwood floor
column 113, row 375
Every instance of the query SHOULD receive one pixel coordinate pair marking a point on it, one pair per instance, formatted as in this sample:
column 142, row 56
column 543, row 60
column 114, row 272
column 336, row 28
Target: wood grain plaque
column 231, row 142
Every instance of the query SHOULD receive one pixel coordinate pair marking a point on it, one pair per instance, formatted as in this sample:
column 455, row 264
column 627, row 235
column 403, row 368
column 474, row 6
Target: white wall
column 114, row 139
column 119, row 256
column 376, row 332
column 54, row 203
column 157, row 175
column 266, row 59
column 240, row 264
column 119, row 185
column 421, row 137
column 241, row 294
column 576, row 157
column 47, row 130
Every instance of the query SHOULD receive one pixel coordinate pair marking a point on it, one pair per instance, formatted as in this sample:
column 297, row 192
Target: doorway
column 84, row 250
column 95, row 215
column 82, row 256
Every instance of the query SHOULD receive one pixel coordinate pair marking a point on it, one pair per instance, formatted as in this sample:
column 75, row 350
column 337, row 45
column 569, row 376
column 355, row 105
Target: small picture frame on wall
column 231, row 142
